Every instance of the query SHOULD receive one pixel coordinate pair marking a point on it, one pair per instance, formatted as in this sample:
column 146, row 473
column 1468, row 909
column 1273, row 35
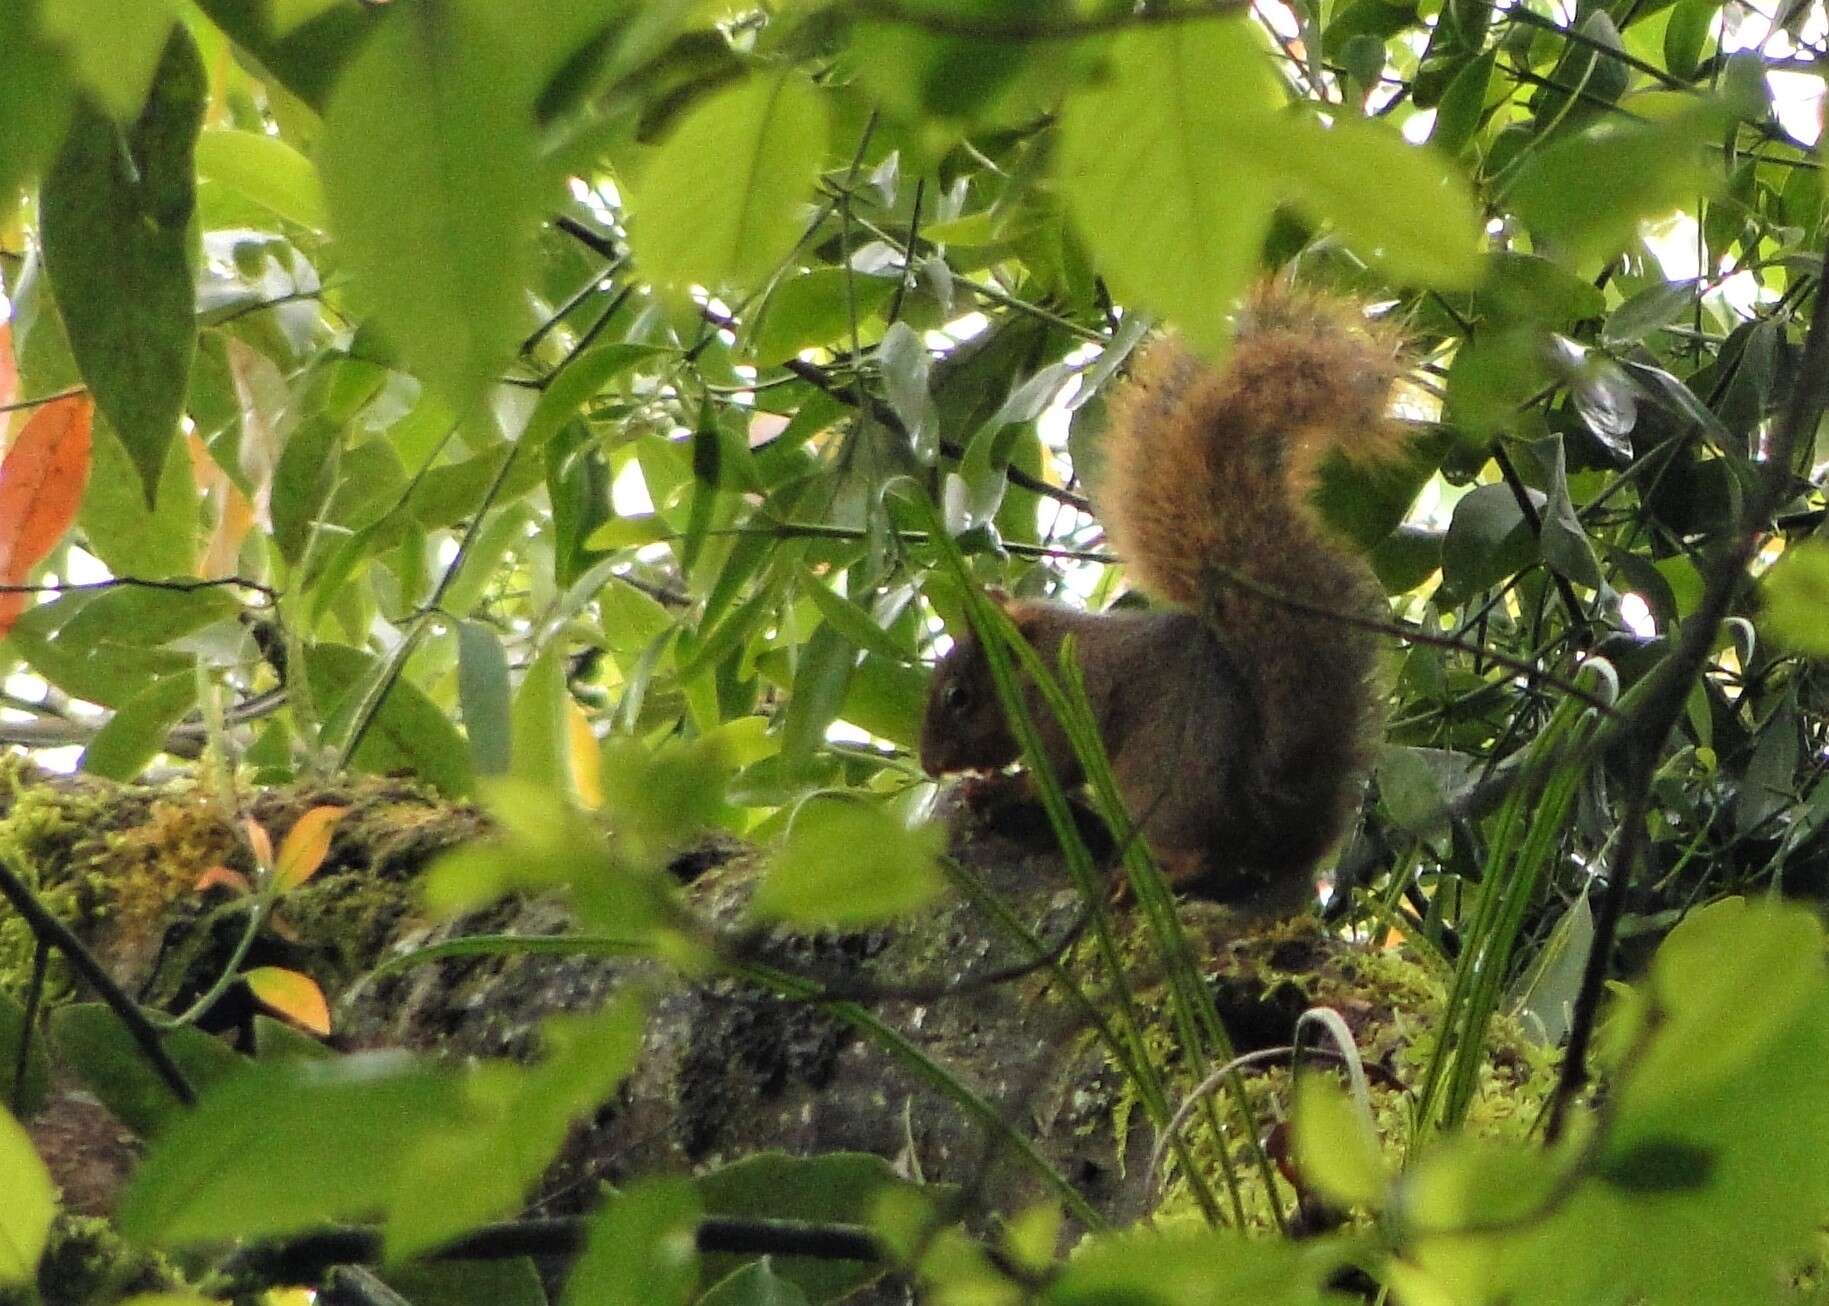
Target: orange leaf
column 222, row 875
column 261, row 842
column 586, row 755
column 296, row 997
column 41, row 487
column 304, row 847
column 9, row 371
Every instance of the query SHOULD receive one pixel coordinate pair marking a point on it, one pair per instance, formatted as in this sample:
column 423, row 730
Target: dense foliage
column 599, row 405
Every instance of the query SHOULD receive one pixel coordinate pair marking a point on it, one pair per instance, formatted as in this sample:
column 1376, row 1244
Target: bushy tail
column 1206, row 482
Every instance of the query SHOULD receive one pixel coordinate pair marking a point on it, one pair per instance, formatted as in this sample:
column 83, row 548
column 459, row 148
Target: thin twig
column 47, row 929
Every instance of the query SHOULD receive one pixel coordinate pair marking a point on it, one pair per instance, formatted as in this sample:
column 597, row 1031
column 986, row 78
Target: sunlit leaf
column 1586, row 194
column 113, row 46
column 429, row 168
column 294, row 996
column 1797, row 598
column 303, row 849
column 266, row 170
column 719, row 203
column 31, row 1201
column 1172, row 217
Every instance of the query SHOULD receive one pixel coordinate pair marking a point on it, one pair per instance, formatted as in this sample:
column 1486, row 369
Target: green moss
column 1262, row 977
column 88, row 1264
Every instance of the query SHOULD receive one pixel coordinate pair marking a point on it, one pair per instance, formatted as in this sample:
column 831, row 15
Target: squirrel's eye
column 955, row 695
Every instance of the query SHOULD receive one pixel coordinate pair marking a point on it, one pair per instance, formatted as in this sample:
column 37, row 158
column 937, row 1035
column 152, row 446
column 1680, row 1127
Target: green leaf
column 640, row 1250
column 303, row 44
column 37, row 1075
column 409, row 733
column 481, row 1168
column 131, row 539
column 848, row 863
column 1797, row 598
column 718, row 205
column 1149, row 176
column 287, row 1145
column 113, row 46
column 853, row 622
column 35, row 102
column 833, row 1187
column 1686, row 35
column 1488, row 540
column 482, row 693
column 1399, row 205
column 1701, row 977
column 513, row 1282
column 1657, row 1166
column 93, row 1042
column 1586, row 194
column 117, row 208
column 1493, row 376
column 266, row 170
column 814, row 308
column 135, row 734
column 1457, row 114
column 31, row 1201
column 430, row 169
column 1336, row 1146
column 539, row 753
column 756, row 1284
column 821, row 681
column 1193, row 1267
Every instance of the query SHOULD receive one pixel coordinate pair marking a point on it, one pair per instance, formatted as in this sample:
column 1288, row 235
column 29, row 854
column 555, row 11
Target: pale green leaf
column 1173, row 214
column 266, row 170
column 1336, row 1147
column 113, row 46
column 483, row 696
column 134, row 540
column 31, row 1201
column 429, row 166
column 133, row 736
column 1586, row 194
column 719, row 204
column 1401, row 206
column 482, row 1168
column 847, row 863
column 1797, row 598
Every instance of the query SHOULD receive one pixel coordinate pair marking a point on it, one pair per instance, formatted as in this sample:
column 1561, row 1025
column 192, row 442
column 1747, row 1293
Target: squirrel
column 1239, row 728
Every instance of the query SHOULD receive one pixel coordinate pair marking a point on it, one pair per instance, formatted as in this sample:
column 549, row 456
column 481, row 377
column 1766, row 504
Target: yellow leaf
column 586, row 755
column 306, row 843
column 296, row 997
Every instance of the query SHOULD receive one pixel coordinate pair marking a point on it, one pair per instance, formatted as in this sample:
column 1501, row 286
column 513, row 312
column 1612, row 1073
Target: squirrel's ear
column 998, row 595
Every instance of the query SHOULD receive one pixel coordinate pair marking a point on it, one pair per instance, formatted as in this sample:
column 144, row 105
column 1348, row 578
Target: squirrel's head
column 964, row 728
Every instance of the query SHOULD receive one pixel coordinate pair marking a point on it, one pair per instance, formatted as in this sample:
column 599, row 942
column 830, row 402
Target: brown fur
column 1238, row 729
